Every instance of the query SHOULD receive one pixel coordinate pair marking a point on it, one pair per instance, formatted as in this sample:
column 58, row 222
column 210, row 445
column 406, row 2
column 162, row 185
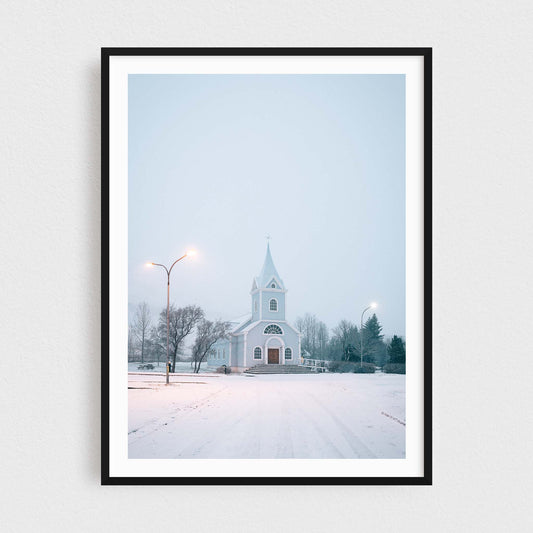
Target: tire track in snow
column 326, row 439
column 355, row 443
column 276, row 439
column 160, row 423
column 238, row 425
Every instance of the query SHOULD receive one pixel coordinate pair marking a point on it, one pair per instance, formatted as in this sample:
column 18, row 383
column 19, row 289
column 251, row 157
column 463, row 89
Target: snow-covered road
column 273, row 416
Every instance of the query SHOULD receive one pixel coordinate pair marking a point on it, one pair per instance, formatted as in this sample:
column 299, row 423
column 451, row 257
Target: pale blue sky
column 217, row 162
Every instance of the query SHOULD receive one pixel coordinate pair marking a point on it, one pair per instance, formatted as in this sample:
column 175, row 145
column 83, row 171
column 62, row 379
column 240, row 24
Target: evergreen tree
column 372, row 339
column 351, row 353
column 381, row 357
column 396, row 350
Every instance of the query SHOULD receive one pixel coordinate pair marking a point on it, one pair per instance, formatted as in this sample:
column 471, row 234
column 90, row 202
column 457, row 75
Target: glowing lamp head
column 190, row 253
column 149, row 264
column 373, row 305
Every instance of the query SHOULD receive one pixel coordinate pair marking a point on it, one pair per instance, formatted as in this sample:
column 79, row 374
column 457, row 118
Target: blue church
column 263, row 336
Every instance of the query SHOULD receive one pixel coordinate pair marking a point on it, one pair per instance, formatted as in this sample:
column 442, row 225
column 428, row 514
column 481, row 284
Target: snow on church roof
column 239, row 322
column 268, row 272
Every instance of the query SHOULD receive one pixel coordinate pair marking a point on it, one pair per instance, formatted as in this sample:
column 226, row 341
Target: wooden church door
column 273, row 356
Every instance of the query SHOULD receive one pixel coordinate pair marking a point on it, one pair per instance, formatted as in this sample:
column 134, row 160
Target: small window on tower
column 273, row 304
column 255, row 306
column 273, row 286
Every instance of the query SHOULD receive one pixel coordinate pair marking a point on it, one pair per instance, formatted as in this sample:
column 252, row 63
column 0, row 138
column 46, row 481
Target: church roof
column 240, row 322
column 281, row 323
column 268, row 272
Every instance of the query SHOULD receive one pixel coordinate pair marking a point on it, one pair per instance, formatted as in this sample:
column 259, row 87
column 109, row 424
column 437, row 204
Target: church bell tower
column 268, row 293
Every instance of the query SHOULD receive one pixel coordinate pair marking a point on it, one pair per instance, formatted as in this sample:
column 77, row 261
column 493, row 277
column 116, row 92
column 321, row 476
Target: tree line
column 344, row 342
column 147, row 337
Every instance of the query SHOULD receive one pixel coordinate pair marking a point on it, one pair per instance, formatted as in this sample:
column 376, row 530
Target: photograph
column 266, row 266
column 260, row 254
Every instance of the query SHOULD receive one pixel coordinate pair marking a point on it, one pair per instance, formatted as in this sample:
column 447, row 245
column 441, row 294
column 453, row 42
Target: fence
column 318, row 365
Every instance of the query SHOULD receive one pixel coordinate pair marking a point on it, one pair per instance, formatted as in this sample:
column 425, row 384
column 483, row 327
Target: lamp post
column 373, row 305
column 168, row 271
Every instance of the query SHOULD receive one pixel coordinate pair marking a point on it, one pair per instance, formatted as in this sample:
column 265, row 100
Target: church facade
column 263, row 336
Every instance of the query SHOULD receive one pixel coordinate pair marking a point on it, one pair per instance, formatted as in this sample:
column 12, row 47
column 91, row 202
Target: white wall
column 50, row 284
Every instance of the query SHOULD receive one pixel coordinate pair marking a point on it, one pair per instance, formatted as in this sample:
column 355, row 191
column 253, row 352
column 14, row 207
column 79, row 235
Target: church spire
column 269, row 273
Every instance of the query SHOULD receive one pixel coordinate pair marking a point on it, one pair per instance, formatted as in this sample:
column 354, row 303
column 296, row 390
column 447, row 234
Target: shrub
column 147, row 366
column 394, row 368
column 365, row 368
column 341, row 366
column 224, row 369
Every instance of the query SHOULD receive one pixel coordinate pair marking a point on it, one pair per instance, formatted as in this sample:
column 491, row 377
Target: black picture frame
column 426, row 55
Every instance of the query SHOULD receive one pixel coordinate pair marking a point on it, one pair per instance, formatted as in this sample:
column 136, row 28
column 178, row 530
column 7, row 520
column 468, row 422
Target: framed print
column 266, row 276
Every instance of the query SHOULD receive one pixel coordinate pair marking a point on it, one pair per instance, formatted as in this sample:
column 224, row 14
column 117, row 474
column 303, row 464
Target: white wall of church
column 220, row 354
column 237, row 347
column 256, row 306
column 266, row 313
column 256, row 338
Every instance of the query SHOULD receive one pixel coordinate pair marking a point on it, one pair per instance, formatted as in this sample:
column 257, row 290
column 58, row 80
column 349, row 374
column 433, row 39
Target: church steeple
column 269, row 274
column 268, row 292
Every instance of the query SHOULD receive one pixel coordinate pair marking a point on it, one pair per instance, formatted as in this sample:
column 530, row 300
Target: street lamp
column 373, row 305
column 168, row 271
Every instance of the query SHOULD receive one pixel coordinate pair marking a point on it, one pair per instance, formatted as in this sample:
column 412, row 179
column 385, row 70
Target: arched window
column 273, row 329
column 272, row 285
column 258, row 353
column 273, row 304
column 288, row 353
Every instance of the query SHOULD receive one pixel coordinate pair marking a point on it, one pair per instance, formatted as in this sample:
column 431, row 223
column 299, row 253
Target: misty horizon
column 217, row 162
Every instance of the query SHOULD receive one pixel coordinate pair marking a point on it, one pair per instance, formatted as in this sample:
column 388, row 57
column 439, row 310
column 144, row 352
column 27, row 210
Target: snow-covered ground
column 182, row 367
column 213, row 416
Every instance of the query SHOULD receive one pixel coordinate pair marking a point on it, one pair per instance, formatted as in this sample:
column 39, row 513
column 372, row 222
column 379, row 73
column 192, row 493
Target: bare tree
column 141, row 326
column 157, row 345
column 306, row 325
column 131, row 344
column 347, row 336
column 207, row 334
column 322, row 339
column 182, row 321
column 314, row 334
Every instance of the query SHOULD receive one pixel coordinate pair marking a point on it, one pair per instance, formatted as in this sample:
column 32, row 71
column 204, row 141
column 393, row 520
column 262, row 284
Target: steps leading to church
column 278, row 369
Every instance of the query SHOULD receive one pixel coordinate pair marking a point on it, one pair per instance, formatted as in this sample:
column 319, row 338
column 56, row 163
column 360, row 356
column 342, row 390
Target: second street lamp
column 373, row 305
column 168, row 271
